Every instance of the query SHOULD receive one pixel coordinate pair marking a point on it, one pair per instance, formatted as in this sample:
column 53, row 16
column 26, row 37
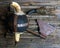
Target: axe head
column 44, row 28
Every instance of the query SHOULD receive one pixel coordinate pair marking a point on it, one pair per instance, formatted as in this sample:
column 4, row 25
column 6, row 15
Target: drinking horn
column 20, row 21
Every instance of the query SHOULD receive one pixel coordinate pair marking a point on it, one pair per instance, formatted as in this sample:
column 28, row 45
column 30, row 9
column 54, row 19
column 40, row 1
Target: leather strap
column 15, row 22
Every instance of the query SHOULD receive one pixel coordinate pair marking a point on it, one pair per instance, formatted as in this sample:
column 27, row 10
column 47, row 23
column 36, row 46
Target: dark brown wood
column 35, row 33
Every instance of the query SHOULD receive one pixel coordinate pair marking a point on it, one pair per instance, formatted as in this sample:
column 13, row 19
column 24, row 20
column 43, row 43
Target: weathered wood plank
column 27, row 39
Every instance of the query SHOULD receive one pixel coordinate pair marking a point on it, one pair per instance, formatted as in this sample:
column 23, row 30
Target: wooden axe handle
column 37, row 34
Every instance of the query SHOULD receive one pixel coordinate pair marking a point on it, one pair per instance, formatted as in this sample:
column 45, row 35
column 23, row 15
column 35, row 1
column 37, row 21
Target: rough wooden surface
column 28, row 40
